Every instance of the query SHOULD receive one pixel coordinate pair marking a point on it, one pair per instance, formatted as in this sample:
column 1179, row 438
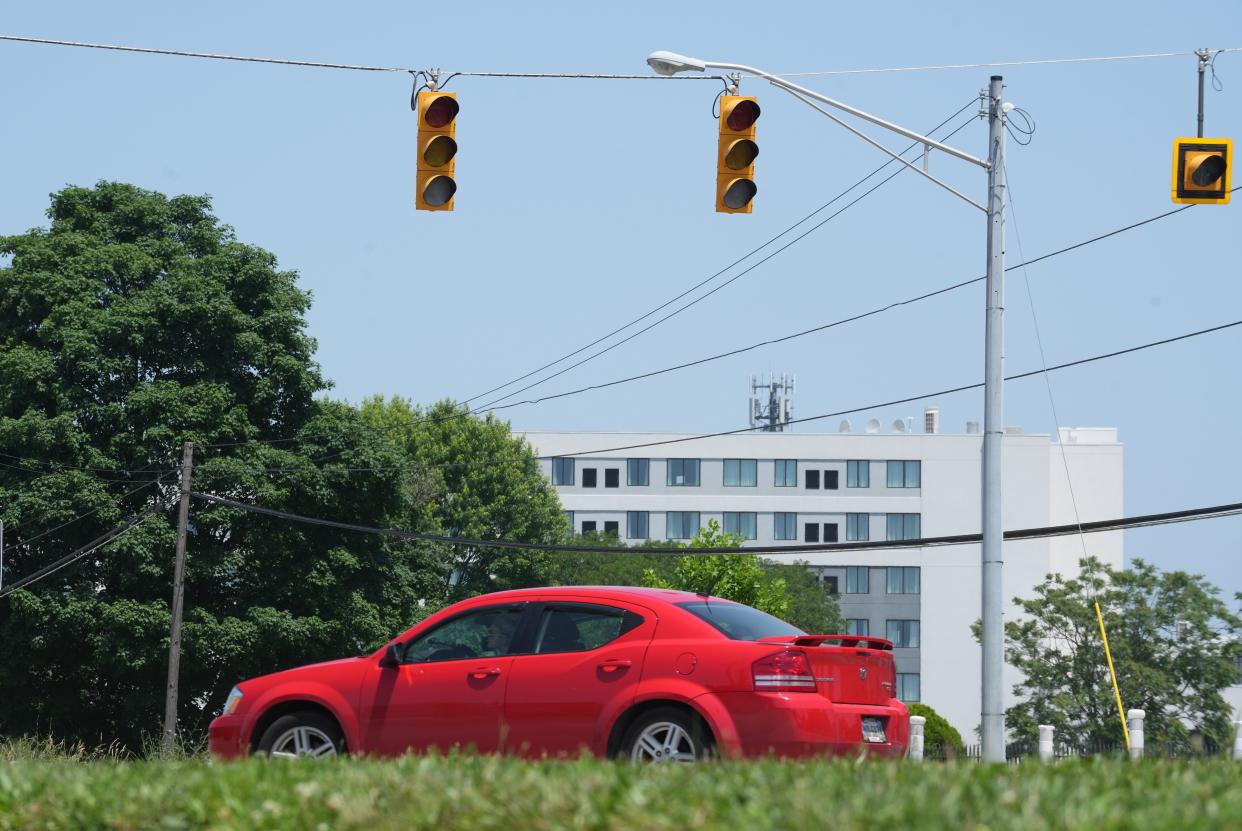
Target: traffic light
column 735, row 156
column 437, row 147
column 1202, row 170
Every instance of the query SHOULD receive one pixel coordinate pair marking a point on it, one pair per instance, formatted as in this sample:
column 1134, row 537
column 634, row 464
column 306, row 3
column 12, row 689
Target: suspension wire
column 1043, row 362
column 1041, row 62
column 1042, row 532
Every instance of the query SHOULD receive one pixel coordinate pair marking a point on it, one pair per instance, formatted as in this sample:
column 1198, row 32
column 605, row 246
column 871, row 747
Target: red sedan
column 647, row 674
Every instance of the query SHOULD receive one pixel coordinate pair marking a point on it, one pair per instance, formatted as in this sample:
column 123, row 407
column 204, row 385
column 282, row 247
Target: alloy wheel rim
column 303, row 742
column 664, row 741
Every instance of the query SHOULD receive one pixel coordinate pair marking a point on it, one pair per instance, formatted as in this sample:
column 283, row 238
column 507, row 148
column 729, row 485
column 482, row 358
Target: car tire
column 302, row 735
column 667, row 734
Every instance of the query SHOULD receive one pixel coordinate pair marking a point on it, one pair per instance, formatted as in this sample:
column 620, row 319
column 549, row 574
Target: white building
column 785, row 488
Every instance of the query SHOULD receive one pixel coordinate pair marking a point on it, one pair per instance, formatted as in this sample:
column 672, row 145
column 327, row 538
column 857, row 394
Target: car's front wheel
column 667, row 734
column 302, row 735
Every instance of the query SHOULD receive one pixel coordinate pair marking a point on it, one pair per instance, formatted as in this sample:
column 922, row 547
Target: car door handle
column 484, row 672
column 614, row 664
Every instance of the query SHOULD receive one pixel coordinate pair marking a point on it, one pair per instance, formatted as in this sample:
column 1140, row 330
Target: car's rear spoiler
column 863, row 641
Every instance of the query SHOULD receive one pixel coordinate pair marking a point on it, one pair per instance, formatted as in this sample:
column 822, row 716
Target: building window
column 683, row 473
column 904, row 633
column 908, row 686
column 903, row 579
column 638, row 472
column 611, row 527
column 830, row 532
column 637, row 524
column 588, row 526
column 682, row 525
column 741, row 522
column 858, row 626
column 784, row 526
column 858, row 473
column 810, row 532
column 904, row 526
column 829, row 582
column 905, row 474
column 857, row 527
column 612, row 477
column 832, row 479
column 741, row 473
column 858, row 580
column 569, row 515
column 786, row 473
column 562, row 471
column 588, row 477
column 812, row 480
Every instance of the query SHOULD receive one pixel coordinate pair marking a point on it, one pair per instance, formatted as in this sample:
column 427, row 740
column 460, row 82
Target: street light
column 992, row 721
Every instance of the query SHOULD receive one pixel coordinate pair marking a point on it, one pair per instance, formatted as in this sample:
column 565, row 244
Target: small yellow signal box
column 1202, row 170
column 735, row 154
column 437, row 149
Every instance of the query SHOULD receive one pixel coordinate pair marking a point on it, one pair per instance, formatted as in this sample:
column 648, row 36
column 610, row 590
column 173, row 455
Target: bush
column 938, row 732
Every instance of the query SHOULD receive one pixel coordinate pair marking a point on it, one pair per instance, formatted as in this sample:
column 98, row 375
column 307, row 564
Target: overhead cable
column 921, row 542
column 1040, row 62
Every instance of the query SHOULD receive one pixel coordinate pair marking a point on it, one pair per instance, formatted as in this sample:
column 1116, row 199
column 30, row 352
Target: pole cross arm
column 667, row 64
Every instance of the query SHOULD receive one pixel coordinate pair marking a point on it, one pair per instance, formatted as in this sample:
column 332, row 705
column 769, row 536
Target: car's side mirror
column 392, row 656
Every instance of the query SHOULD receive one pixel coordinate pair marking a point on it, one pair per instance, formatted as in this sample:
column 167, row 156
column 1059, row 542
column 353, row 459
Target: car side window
column 483, row 634
column 580, row 628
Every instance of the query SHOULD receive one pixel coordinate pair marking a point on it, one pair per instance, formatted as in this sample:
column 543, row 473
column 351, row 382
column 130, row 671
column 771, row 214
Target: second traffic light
column 1202, row 170
column 735, row 154
column 437, row 147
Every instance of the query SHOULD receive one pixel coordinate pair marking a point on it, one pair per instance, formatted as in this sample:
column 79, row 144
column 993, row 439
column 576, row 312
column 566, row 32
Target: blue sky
column 582, row 204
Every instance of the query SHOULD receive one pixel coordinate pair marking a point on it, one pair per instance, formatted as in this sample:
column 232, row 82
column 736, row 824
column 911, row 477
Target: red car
column 646, row 674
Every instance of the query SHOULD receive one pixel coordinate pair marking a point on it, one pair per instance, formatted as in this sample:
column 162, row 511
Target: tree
column 475, row 480
column 132, row 323
column 737, row 577
column 811, row 608
column 937, row 732
column 1174, row 644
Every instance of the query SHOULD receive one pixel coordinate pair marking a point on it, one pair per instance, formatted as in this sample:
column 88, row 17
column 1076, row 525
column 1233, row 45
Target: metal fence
column 1024, row 751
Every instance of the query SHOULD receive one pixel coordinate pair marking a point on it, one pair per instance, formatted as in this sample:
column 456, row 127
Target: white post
column 916, row 737
column 1237, row 741
column 1046, row 753
column 1135, row 718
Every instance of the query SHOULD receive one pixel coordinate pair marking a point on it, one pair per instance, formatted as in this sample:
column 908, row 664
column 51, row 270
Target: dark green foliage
column 134, row 323
column 938, row 733
column 1174, row 644
column 811, row 608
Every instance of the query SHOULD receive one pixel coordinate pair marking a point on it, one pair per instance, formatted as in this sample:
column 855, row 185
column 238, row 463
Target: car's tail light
column 784, row 671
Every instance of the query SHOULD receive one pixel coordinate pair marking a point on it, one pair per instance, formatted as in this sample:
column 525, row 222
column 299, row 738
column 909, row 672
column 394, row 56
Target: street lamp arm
column 884, row 149
column 802, row 91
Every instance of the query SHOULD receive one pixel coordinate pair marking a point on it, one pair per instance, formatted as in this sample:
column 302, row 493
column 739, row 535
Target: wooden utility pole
column 174, row 639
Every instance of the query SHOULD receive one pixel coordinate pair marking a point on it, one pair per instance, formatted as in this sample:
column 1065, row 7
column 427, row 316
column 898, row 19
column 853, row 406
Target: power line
column 698, row 436
column 1041, row 62
column 722, row 271
column 354, row 67
column 85, row 550
column 583, row 75
column 1122, row 523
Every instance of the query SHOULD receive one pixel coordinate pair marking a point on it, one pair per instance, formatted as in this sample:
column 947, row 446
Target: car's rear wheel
column 302, row 735
column 667, row 734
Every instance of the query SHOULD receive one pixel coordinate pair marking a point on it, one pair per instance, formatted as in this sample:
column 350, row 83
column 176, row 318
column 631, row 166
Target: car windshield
column 741, row 623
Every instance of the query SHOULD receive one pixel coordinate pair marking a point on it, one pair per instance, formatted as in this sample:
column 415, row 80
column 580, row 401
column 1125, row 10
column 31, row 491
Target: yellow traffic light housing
column 437, row 148
column 1202, row 170
column 735, row 154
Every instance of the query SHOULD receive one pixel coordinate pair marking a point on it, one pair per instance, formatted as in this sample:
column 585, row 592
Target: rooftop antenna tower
column 777, row 415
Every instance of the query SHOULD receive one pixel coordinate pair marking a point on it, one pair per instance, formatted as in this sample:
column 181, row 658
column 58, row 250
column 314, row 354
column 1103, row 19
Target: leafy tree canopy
column 937, row 732
column 1174, row 644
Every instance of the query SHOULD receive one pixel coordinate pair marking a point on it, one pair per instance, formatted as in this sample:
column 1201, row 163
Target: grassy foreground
column 489, row 793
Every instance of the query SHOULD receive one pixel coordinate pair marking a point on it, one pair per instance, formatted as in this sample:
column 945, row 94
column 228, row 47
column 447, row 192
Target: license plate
column 873, row 730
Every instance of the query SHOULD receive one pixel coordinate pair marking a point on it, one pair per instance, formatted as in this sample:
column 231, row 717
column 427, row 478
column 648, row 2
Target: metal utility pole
column 779, row 411
column 174, row 638
column 1204, row 60
column 993, row 641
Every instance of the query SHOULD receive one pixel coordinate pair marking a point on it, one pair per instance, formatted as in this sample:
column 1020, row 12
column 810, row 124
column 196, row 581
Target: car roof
column 619, row 592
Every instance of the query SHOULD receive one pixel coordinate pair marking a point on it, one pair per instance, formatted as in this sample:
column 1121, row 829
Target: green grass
column 487, row 793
